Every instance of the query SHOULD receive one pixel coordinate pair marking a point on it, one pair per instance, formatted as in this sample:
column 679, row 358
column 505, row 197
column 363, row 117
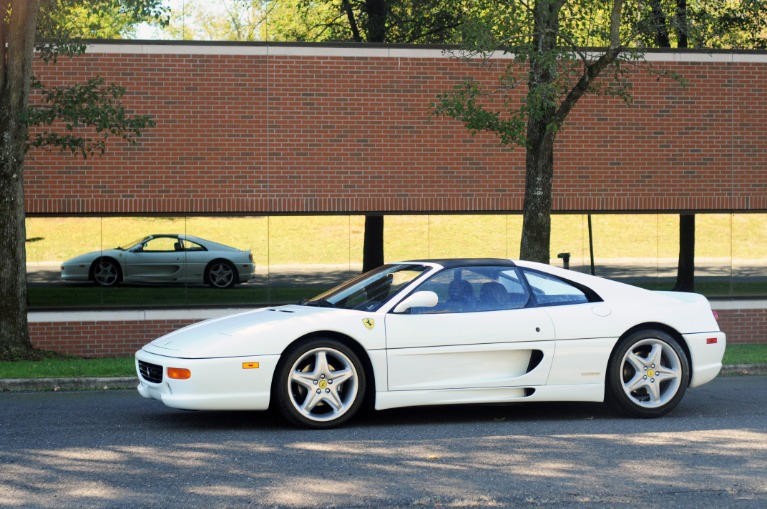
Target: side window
column 472, row 289
column 549, row 290
column 160, row 245
column 518, row 293
column 188, row 245
column 455, row 294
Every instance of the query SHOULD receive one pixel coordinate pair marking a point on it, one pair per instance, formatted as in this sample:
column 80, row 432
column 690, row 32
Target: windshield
column 131, row 244
column 370, row 290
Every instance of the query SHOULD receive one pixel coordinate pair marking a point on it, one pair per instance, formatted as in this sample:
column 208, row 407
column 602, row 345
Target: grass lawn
column 280, row 240
column 57, row 366
column 61, row 367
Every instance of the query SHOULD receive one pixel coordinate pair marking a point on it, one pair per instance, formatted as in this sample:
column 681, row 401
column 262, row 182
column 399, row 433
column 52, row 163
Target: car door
column 466, row 341
column 158, row 260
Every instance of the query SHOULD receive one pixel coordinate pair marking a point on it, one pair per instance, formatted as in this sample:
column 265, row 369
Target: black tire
column 106, row 272
column 221, row 274
column 319, row 384
column 647, row 375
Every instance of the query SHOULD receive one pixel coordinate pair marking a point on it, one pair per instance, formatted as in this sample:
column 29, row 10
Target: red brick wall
column 744, row 325
column 270, row 129
column 100, row 339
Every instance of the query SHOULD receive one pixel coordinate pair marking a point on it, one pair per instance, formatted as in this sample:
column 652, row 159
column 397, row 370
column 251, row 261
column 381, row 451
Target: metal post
column 591, row 246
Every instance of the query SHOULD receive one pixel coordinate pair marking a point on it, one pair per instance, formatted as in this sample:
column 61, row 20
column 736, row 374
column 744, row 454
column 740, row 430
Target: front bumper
column 230, row 383
column 78, row 272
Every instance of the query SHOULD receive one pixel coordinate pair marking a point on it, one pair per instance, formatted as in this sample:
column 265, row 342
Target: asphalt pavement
column 114, row 449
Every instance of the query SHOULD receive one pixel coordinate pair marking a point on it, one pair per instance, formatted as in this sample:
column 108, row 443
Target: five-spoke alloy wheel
column 321, row 383
column 221, row 274
column 648, row 374
column 106, row 272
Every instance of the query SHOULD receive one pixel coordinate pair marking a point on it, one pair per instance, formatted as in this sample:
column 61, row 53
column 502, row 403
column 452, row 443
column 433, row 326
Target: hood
column 264, row 331
column 89, row 257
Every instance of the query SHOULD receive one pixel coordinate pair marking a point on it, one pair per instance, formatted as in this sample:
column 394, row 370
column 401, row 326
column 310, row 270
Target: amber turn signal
column 179, row 373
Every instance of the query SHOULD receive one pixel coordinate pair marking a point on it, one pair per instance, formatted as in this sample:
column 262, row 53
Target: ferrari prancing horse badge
column 369, row 323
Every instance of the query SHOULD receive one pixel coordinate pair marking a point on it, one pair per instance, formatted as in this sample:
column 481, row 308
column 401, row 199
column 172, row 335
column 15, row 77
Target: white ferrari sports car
column 164, row 259
column 436, row 332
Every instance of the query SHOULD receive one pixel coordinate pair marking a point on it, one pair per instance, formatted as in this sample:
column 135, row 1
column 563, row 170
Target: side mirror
column 417, row 300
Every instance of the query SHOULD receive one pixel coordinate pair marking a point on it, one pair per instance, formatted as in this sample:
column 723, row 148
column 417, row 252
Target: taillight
column 716, row 315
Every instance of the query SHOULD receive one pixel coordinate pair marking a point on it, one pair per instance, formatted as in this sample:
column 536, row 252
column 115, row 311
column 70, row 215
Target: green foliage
column 65, row 20
column 67, row 114
column 252, row 20
column 73, row 108
column 547, row 43
column 464, row 103
column 733, row 24
column 404, row 21
column 62, row 25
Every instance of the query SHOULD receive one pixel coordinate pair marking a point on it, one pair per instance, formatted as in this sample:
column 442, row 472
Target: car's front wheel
column 320, row 384
column 106, row 272
column 648, row 374
column 221, row 274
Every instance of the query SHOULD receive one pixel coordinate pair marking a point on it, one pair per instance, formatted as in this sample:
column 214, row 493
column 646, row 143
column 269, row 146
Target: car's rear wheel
column 221, row 274
column 320, row 384
column 106, row 272
column 648, row 374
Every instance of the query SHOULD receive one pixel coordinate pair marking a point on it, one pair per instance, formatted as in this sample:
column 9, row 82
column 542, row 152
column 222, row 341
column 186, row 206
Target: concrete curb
column 130, row 382
column 67, row 384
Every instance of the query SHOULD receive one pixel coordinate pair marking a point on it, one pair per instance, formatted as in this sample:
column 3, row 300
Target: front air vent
column 150, row 372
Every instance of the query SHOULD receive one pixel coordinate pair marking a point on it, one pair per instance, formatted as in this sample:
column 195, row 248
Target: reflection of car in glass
column 440, row 332
column 163, row 259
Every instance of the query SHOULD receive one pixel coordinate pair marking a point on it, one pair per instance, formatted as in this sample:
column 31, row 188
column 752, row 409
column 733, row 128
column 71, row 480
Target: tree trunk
column 539, row 176
column 373, row 246
column 681, row 23
column 16, row 44
column 541, row 130
column 14, row 329
column 685, row 275
column 659, row 25
column 377, row 12
column 373, row 243
column 685, row 271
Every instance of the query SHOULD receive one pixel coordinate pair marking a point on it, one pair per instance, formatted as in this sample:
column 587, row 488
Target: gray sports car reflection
column 164, row 259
